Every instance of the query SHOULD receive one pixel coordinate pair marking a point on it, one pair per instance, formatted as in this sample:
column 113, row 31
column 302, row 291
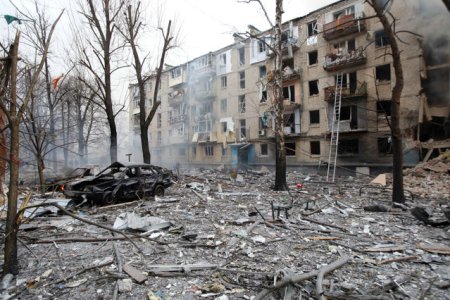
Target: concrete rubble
column 214, row 237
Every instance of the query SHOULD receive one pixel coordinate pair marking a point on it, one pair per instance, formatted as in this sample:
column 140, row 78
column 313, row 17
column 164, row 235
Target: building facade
column 217, row 109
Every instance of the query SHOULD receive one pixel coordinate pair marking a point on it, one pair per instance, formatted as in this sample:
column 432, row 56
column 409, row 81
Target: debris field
column 216, row 236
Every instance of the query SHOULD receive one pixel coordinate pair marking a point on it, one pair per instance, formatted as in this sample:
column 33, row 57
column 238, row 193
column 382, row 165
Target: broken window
column 262, row 71
column 345, row 113
column 347, row 11
column 290, row 149
column 242, row 80
column 350, row 113
column 351, row 45
column 312, row 28
column 209, row 150
column 243, row 128
column 289, row 93
column 312, row 57
column 194, row 151
column 264, row 149
column 381, row 39
column 223, row 105
column 158, row 120
column 384, row 108
column 224, row 151
column 348, row 146
column 242, row 56
column 383, row 73
column 314, row 117
column 314, row 147
column 223, row 59
column 313, row 87
column 263, row 96
column 223, row 81
column 224, row 126
column 175, row 73
column 384, row 145
column 242, row 104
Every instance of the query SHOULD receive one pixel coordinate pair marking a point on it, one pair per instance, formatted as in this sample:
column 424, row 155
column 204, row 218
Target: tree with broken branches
column 388, row 22
column 276, row 83
column 131, row 32
column 14, row 111
column 103, row 22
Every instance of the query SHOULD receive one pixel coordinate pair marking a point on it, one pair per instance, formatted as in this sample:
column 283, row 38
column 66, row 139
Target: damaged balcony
column 204, row 94
column 176, row 97
column 344, row 25
column 348, row 92
column 353, row 118
column 177, row 76
column 342, row 60
column 177, row 119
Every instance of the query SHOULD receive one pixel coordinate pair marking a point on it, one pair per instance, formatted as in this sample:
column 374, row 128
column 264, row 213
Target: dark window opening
column 314, row 117
column 242, row 80
column 313, row 87
column 262, row 71
column 384, row 145
column 290, row 149
column 289, row 93
column 289, row 121
column 312, row 58
column 264, row 149
column 345, row 113
column 289, row 62
column 312, row 28
column 437, row 129
column 350, row 113
column 209, row 150
column 381, row 39
column 383, row 73
column 263, row 96
column 243, row 129
column 314, row 147
column 224, row 126
column 348, row 146
column 384, row 108
column 351, row 45
column 284, row 36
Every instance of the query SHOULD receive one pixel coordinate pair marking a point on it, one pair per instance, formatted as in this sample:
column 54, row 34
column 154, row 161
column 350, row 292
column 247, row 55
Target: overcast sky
column 205, row 25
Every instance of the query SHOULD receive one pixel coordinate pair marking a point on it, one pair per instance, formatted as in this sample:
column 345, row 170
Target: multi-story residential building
column 217, row 109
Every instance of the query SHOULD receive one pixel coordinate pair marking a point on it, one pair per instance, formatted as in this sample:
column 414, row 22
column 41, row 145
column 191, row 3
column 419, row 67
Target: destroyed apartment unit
column 217, row 109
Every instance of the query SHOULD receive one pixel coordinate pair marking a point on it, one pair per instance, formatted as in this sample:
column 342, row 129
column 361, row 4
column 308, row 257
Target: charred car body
column 121, row 182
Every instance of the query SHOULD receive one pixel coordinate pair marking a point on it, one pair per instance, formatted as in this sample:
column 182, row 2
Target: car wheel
column 159, row 191
column 108, row 199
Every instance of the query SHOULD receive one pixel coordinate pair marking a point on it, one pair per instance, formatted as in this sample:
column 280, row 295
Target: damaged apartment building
column 216, row 109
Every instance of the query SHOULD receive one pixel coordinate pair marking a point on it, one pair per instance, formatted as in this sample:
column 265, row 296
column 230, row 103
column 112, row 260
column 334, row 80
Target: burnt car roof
column 130, row 164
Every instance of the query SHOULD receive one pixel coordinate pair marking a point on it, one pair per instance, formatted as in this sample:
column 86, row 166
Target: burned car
column 121, row 182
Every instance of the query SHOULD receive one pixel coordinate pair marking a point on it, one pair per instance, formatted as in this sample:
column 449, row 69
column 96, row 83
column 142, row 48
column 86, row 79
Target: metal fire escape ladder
column 334, row 139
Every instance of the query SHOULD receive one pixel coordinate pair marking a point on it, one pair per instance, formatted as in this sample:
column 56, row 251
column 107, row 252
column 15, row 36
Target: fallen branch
column 82, row 220
column 324, row 224
column 398, row 259
column 80, row 272
column 298, row 278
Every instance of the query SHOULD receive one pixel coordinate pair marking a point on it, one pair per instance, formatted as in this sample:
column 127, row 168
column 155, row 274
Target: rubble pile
column 217, row 236
column 430, row 179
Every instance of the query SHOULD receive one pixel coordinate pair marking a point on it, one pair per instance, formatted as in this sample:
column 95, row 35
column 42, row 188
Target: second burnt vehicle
column 121, row 182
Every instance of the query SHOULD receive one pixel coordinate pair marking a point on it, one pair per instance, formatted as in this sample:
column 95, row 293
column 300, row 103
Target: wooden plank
column 134, row 273
column 435, row 248
column 181, row 268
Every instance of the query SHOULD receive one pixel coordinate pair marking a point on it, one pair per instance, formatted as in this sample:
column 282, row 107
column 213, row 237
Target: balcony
column 338, row 61
column 342, row 26
column 204, row 94
column 290, row 74
column 347, row 92
column 177, row 119
column 176, row 97
column 176, row 79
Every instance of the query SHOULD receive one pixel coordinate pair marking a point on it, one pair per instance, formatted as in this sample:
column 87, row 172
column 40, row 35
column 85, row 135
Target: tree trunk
column 397, row 143
column 41, row 167
column 280, row 152
column 10, row 261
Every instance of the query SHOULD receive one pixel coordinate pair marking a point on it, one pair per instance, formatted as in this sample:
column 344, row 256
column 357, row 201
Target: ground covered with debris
column 216, row 236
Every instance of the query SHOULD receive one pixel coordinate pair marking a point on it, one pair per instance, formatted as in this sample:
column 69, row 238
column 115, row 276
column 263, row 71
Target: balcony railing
column 342, row 60
column 177, row 119
column 205, row 94
column 347, row 92
column 342, row 26
column 176, row 97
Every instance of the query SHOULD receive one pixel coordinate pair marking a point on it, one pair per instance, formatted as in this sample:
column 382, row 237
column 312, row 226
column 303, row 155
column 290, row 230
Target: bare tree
column 397, row 145
column 14, row 112
column 133, row 26
column 103, row 23
column 276, row 84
